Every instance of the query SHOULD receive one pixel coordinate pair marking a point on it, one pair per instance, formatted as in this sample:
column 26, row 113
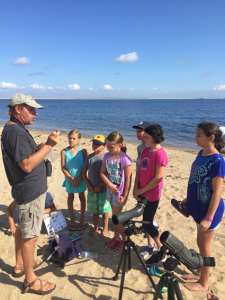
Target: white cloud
column 177, row 62
column 206, row 74
column 107, row 87
column 220, row 87
column 154, row 89
column 36, row 86
column 73, row 86
column 7, row 85
column 36, row 73
column 21, row 61
column 90, row 88
column 127, row 58
column 131, row 89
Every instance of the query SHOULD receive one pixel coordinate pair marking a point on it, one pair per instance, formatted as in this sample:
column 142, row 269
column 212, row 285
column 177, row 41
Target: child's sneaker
column 119, row 247
column 147, row 251
column 112, row 243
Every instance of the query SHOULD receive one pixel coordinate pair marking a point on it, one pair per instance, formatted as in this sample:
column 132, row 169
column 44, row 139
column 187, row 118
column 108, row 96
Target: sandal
column 27, row 287
column 73, row 228
column 82, row 226
column 21, row 273
column 180, row 207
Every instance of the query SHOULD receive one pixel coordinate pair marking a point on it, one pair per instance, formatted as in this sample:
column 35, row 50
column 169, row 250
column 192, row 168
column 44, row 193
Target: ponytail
column 116, row 138
column 124, row 147
column 209, row 129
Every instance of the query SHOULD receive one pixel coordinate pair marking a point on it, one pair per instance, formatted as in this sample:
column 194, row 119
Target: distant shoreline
column 114, row 99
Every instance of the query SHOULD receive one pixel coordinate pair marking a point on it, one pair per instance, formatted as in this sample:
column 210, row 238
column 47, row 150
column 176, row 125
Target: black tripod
column 131, row 229
column 170, row 280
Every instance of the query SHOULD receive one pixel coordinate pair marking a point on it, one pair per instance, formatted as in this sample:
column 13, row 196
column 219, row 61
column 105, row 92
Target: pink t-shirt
column 149, row 162
column 115, row 169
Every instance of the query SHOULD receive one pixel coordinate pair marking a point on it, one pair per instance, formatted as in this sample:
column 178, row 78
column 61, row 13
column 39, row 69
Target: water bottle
column 56, row 237
column 91, row 255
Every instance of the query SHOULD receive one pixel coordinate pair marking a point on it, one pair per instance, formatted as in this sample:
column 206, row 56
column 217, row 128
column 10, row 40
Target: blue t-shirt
column 200, row 191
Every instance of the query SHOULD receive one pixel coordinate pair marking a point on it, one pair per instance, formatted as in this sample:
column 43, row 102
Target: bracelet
column 208, row 219
column 110, row 184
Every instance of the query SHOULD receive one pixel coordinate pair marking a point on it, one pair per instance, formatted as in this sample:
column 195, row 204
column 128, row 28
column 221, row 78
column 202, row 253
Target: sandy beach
column 87, row 279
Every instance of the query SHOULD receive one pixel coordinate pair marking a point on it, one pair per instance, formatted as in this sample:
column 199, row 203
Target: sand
column 88, row 279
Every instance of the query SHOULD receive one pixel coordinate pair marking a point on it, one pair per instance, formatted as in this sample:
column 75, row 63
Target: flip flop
column 82, row 226
column 73, row 226
column 179, row 207
column 27, row 288
column 21, row 273
column 155, row 271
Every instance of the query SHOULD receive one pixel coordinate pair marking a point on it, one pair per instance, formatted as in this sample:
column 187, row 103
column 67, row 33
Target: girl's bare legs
column 70, row 208
column 82, row 209
column 203, row 240
column 18, row 245
column 95, row 229
column 156, row 240
column 105, row 218
column 118, row 229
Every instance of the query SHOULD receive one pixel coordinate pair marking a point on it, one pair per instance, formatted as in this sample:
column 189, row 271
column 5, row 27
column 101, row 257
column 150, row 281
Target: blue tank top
column 74, row 164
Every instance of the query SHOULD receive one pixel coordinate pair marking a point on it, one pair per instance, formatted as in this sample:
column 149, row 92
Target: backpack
column 67, row 250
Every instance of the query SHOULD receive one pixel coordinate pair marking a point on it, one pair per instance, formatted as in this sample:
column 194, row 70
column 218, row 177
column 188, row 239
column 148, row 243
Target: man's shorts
column 113, row 198
column 30, row 217
column 97, row 203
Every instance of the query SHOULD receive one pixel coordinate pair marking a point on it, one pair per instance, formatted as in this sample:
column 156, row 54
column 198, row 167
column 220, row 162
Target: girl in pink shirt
column 149, row 181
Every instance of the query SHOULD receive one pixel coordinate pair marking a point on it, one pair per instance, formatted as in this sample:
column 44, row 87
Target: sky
column 136, row 49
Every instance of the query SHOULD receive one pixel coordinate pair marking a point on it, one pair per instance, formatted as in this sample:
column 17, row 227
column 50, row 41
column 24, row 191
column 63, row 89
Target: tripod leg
column 170, row 291
column 129, row 258
column 162, row 282
column 176, row 288
column 123, row 271
column 119, row 265
column 145, row 268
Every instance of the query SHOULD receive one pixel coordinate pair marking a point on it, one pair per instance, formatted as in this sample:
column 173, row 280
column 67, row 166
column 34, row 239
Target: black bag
column 48, row 168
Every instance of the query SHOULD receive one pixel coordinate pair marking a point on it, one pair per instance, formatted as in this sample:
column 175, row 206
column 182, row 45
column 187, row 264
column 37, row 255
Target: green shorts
column 97, row 204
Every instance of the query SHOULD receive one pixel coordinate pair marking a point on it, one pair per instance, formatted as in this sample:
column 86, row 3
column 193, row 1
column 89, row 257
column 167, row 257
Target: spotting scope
column 130, row 214
column 190, row 258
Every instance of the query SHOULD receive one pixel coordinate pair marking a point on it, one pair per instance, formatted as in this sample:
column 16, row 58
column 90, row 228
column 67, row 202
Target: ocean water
column 177, row 117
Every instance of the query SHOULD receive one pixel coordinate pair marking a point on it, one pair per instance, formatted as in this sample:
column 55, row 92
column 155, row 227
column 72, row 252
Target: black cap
column 141, row 125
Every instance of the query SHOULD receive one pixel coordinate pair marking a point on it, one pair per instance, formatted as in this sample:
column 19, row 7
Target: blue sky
column 113, row 48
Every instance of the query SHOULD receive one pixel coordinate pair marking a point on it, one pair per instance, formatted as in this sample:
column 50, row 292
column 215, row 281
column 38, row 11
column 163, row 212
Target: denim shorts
column 30, row 217
column 112, row 199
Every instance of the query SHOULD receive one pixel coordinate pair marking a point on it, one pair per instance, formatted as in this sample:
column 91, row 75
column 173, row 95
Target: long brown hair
column 116, row 138
column 209, row 129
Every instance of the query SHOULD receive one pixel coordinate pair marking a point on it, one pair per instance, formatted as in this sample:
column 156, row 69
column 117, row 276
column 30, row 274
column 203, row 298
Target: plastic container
column 91, row 255
column 50, row 156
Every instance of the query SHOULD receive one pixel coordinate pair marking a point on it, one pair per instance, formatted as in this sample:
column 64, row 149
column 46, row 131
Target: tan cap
column 21, row 98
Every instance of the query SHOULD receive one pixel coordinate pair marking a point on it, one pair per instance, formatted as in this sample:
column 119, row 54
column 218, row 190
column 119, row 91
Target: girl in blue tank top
column 204, row 202
column 72, row 160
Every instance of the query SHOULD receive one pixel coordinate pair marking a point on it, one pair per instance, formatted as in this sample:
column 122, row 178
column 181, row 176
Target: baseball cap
column 21, row 98
column 100, row 139
column 141, row 125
